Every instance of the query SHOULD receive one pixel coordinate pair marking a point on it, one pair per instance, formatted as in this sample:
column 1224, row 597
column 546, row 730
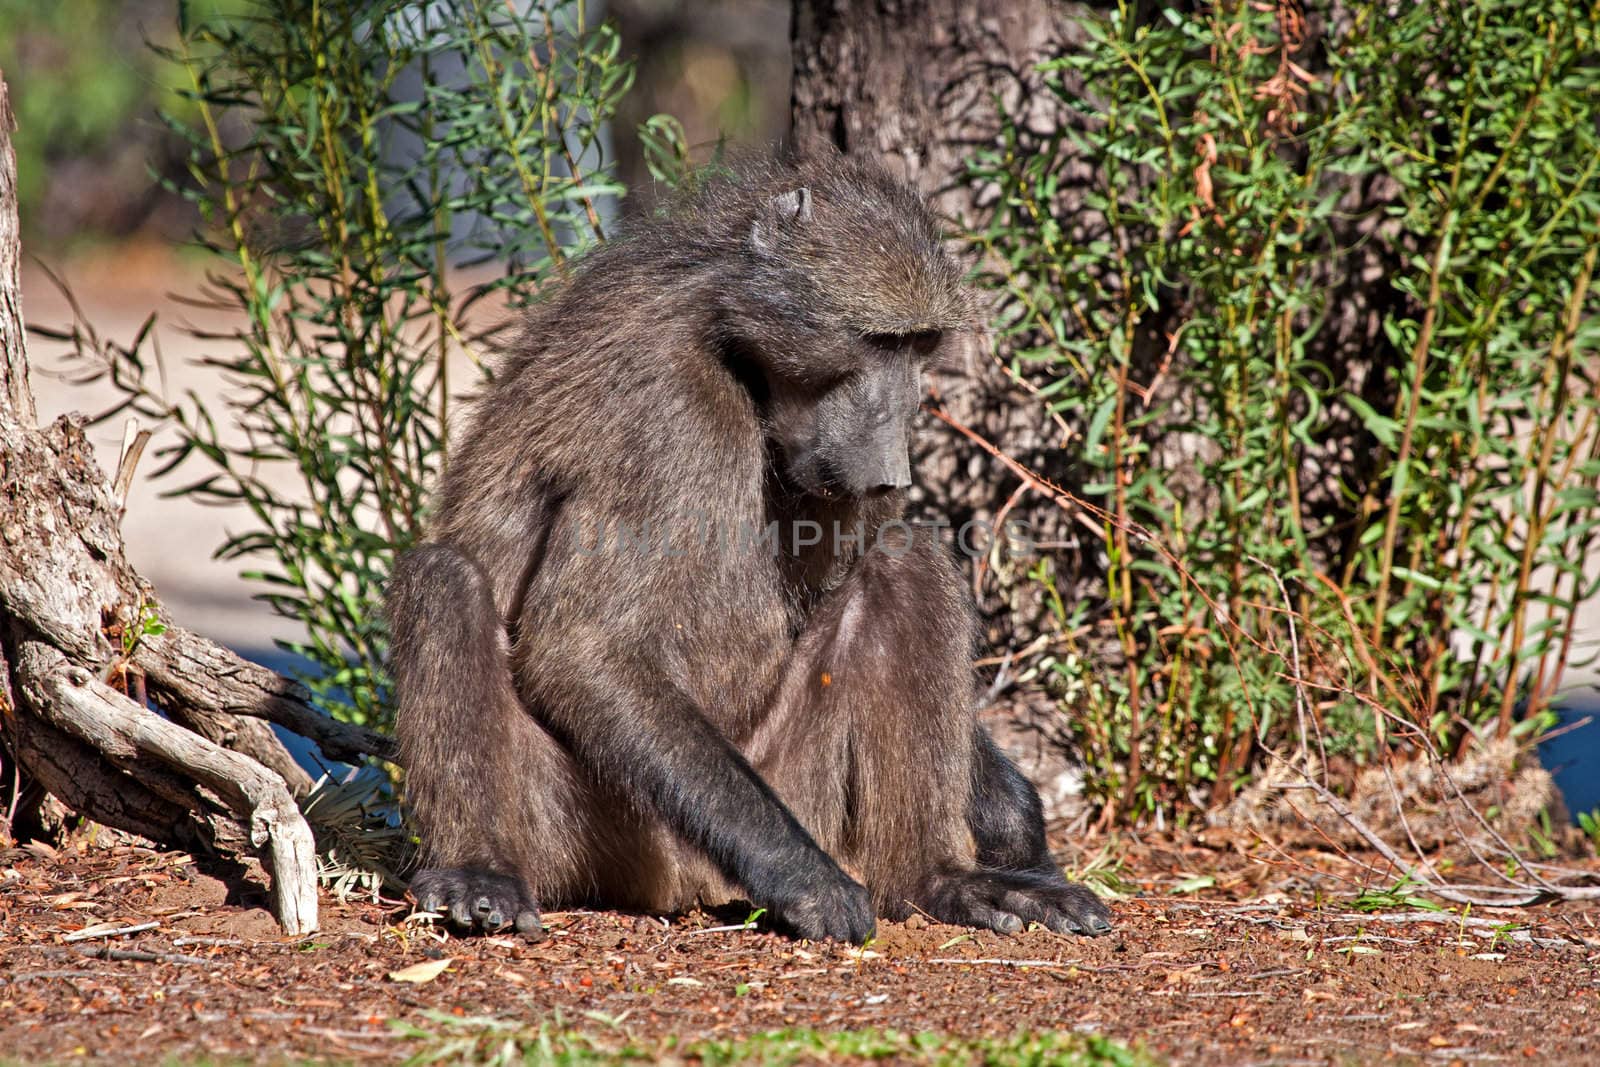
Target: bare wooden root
column 130, row 736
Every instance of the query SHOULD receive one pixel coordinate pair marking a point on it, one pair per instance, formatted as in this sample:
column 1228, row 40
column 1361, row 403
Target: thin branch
column 1497, row 896
column 186, row 667
column 89, row 933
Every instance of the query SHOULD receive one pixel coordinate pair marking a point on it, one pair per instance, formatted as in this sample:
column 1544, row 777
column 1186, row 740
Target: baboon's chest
column 731, row 655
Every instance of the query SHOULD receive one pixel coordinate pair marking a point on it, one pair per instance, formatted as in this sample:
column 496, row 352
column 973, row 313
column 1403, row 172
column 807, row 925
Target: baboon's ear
column 783, row 211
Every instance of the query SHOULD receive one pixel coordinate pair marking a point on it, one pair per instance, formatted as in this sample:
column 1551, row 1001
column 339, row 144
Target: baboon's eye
column 920, row 342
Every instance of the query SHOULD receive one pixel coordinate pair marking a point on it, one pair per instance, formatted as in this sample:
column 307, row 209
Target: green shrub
column 1326, row 339
column 343, row 249
column 80, row 84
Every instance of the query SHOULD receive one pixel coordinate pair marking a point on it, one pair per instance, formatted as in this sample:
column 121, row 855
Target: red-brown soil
column 1256, row 971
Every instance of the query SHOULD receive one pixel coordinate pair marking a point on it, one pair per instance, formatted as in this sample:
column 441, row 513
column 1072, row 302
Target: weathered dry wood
column 248, row 737
column 85, row 782
column 92, row 933
column 63, row 575
column 75, row 629
column 62, row 572
column 205, row 677
column 69, row 698
column 13, row 356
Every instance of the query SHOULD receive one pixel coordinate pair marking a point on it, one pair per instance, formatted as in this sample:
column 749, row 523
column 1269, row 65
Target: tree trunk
column 916, row 85
column 14, row 393
column 913, row 83
column 85, row 646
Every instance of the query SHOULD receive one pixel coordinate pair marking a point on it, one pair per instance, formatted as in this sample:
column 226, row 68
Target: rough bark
column 134, row 738
column 214, row 685
column 914, row 83
column 79, row 657
column 63, row 574
column 917, row 85
column 76, row 774
column 13, row 357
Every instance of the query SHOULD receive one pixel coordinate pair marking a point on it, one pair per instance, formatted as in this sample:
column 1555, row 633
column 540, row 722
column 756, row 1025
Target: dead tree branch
column 196, row 674
column 70, row 698
column 84, row 644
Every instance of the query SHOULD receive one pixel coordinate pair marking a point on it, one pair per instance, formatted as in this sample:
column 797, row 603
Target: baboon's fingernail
column 528, row 924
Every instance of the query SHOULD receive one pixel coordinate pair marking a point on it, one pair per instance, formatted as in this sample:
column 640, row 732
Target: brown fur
column 663, row 728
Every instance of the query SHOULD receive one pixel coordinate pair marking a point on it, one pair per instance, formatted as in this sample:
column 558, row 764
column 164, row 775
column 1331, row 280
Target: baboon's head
column 845, row 296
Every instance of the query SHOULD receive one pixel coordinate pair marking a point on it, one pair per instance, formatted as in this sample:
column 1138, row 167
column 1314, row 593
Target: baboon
column 669, row 642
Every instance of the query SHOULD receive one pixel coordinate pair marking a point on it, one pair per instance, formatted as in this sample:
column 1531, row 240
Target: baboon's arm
column 651, row 739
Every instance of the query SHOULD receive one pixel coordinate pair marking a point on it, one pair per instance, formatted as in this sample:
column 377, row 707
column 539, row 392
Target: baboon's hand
column 1008, row 900
column 475, row 899
column 835, row 906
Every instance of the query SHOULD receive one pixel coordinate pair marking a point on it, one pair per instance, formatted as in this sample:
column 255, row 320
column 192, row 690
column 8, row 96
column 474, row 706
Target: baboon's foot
column 477, row 900
column 1007, row 901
